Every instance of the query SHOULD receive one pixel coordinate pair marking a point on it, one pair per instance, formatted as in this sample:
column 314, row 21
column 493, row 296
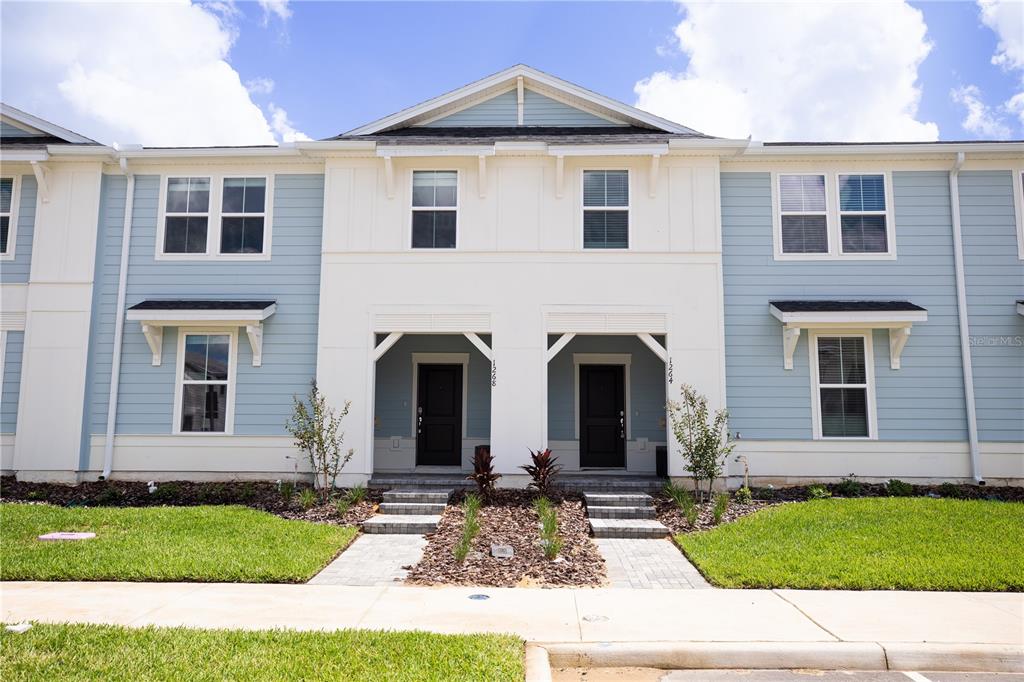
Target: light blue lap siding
column 10, row 382
column 994, row 277
column 924, row 400
column 16, row 271
column 646, row 379
column 395, row 401
column 263, row 398
column 538, row 110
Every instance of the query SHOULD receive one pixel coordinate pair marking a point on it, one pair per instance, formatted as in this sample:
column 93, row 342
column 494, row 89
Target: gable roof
column 499, row 83
column 36, row 130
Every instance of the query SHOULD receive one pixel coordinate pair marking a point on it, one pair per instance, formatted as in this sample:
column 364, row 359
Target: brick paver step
column 400, row 524
column 627, row 528
column 618, row 500
column 412, row 508
column 435, row 496
column 610, row 512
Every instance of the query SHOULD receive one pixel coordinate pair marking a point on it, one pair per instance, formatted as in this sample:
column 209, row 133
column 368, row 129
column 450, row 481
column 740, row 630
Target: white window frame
column 440, row 359
column 455, row 208
column 179, row 381
column 214, row 214
column 627, row 208
column 12, row 230
column 781, row 253
column 616, row 359
column 832, row 216
column 890, row 232
column 1018, row 207
column 869, row 375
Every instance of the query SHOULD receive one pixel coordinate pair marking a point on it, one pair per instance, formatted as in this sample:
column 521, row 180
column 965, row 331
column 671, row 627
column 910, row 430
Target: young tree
column 315, row 427
column 704, row 440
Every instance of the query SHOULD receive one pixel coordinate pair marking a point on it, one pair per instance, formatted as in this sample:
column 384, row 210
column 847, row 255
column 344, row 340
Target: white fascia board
column 881, row 318
column 336, row 145
column 183, row 152
column 608, row 150
column 10, row 156
column 435, row 150
column 708, row 143
column 42, row 125
column 513, row 147
column 758, row 149
column 175, row 318
column 81, row 151
column 510, row 75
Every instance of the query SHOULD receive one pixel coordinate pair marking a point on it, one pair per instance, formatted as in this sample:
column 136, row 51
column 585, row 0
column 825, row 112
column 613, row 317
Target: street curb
column 538, row 667
column 985, row 658
column 897, row 656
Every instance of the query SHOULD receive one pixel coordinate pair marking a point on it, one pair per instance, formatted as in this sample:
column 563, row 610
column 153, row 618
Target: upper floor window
column 187, row 216
column 862, row 214
column 605, row 209
column 435, row 207
column 216, row 217
column 803, row 214
column 8, row 216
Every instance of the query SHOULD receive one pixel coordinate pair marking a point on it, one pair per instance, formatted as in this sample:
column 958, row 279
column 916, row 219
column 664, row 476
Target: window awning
column 154, row 315
column 896, row 316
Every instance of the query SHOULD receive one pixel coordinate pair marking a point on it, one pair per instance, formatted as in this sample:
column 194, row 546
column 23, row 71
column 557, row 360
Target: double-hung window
column 605, row 209
column 843, row 386
column 243, row 214
column 804, row 218
column 7, row 216
column 205, row 376
column 187, row 215
column 862, row 214
column 435, row 202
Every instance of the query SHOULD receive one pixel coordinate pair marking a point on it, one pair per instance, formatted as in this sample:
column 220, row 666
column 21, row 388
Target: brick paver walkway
column 648, row 564
column 373, row 560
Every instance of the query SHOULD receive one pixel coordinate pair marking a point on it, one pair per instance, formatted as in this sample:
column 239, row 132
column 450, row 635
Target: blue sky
column 275, row 70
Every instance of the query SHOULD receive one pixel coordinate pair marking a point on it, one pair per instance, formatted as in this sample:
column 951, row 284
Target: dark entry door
column 439, row 415
column 602, row 416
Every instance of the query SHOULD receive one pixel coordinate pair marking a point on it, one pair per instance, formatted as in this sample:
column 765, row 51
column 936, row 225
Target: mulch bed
column 672, row 517
column 262, row 495
column 509, row 519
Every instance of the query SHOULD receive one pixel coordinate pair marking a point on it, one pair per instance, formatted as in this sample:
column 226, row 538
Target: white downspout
column 122, row 286
column 961, row 309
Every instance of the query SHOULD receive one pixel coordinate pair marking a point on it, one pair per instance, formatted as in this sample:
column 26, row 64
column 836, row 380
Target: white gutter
column 119, row 315
column 884, row 149
column 961, row 309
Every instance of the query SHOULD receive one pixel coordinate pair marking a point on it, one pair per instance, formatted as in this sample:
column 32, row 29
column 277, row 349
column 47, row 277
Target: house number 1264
column 670, row 371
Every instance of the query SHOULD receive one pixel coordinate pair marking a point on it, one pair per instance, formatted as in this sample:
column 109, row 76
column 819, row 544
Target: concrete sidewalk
column 539, row 615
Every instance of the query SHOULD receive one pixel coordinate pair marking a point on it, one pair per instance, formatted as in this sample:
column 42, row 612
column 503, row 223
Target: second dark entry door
column 439, row 415
column 602, row 416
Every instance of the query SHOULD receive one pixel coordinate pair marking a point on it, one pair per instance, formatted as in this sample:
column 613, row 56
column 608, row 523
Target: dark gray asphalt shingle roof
column 201, row 304
column 844, row 306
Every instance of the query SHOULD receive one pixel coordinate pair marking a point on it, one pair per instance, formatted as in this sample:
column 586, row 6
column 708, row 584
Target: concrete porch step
column 420, row 481
column 627, row 528
column 402, row 524
column 618, row 499
column 425, row 495
column 412, row 508
column 620, row 512
column 610, row 484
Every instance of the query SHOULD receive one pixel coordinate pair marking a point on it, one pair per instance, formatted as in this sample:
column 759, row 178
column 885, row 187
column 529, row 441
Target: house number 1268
column 494, row 374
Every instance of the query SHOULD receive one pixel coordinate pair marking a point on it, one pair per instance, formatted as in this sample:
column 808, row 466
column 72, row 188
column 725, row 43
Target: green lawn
column 105, row 652
column 869, row 543
column 208, row 544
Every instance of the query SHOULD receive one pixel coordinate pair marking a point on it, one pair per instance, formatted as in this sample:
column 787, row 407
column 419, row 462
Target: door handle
column 622, row 426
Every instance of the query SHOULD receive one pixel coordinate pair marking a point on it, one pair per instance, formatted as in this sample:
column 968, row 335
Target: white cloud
column 796, row 71
column 259, row 86
column 150, row 73
column 1006, row 19
column 283, row 126
column 278, row 8
column 979, row 119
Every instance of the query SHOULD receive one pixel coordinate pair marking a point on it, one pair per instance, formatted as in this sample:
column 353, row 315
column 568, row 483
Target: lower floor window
column 843, row 386
column 205, row 370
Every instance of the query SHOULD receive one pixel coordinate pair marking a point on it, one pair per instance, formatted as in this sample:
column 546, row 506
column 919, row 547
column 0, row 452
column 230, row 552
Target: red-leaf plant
column 543, row 470
column 483, row 471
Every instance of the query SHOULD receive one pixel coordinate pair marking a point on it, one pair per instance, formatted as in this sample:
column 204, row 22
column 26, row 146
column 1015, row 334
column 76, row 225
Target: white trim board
column 440, row 359
column 621, row 359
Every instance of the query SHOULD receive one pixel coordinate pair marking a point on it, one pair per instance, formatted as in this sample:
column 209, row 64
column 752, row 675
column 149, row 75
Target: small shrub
column 470, row 527
column 34, row 495
column 307, row 499
column 214, row 493
column 948, row 489
column 849, row 487
column 287, row 490
column 703, row 438
column 684, row 500
column 355, row 494
column 543, row 470
column 897, row 488
column 342, row 506
column 550, row 542
column 167, row 492
column 316, row 429
column 721, row 506
column 247, row 493
column 768, row 493
column 109, row 496
column 818, row 492
column 744, row 496
column 483, row 471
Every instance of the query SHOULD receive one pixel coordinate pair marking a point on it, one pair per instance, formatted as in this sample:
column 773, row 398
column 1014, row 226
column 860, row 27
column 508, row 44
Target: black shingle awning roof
column 844, row 306
column 201, row 304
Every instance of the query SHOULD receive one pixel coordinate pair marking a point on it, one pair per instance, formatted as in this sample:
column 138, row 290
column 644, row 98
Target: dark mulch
column 509, row 519
column 262, row 495
column 672, row 517
column 959, row 490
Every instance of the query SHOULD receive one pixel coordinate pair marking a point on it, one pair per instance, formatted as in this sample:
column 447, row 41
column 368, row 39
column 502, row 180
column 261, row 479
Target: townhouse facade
column 520, row 263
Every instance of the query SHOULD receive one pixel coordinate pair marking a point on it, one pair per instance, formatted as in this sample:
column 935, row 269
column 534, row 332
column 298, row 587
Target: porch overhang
column 154, row 315
column 896, row 316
